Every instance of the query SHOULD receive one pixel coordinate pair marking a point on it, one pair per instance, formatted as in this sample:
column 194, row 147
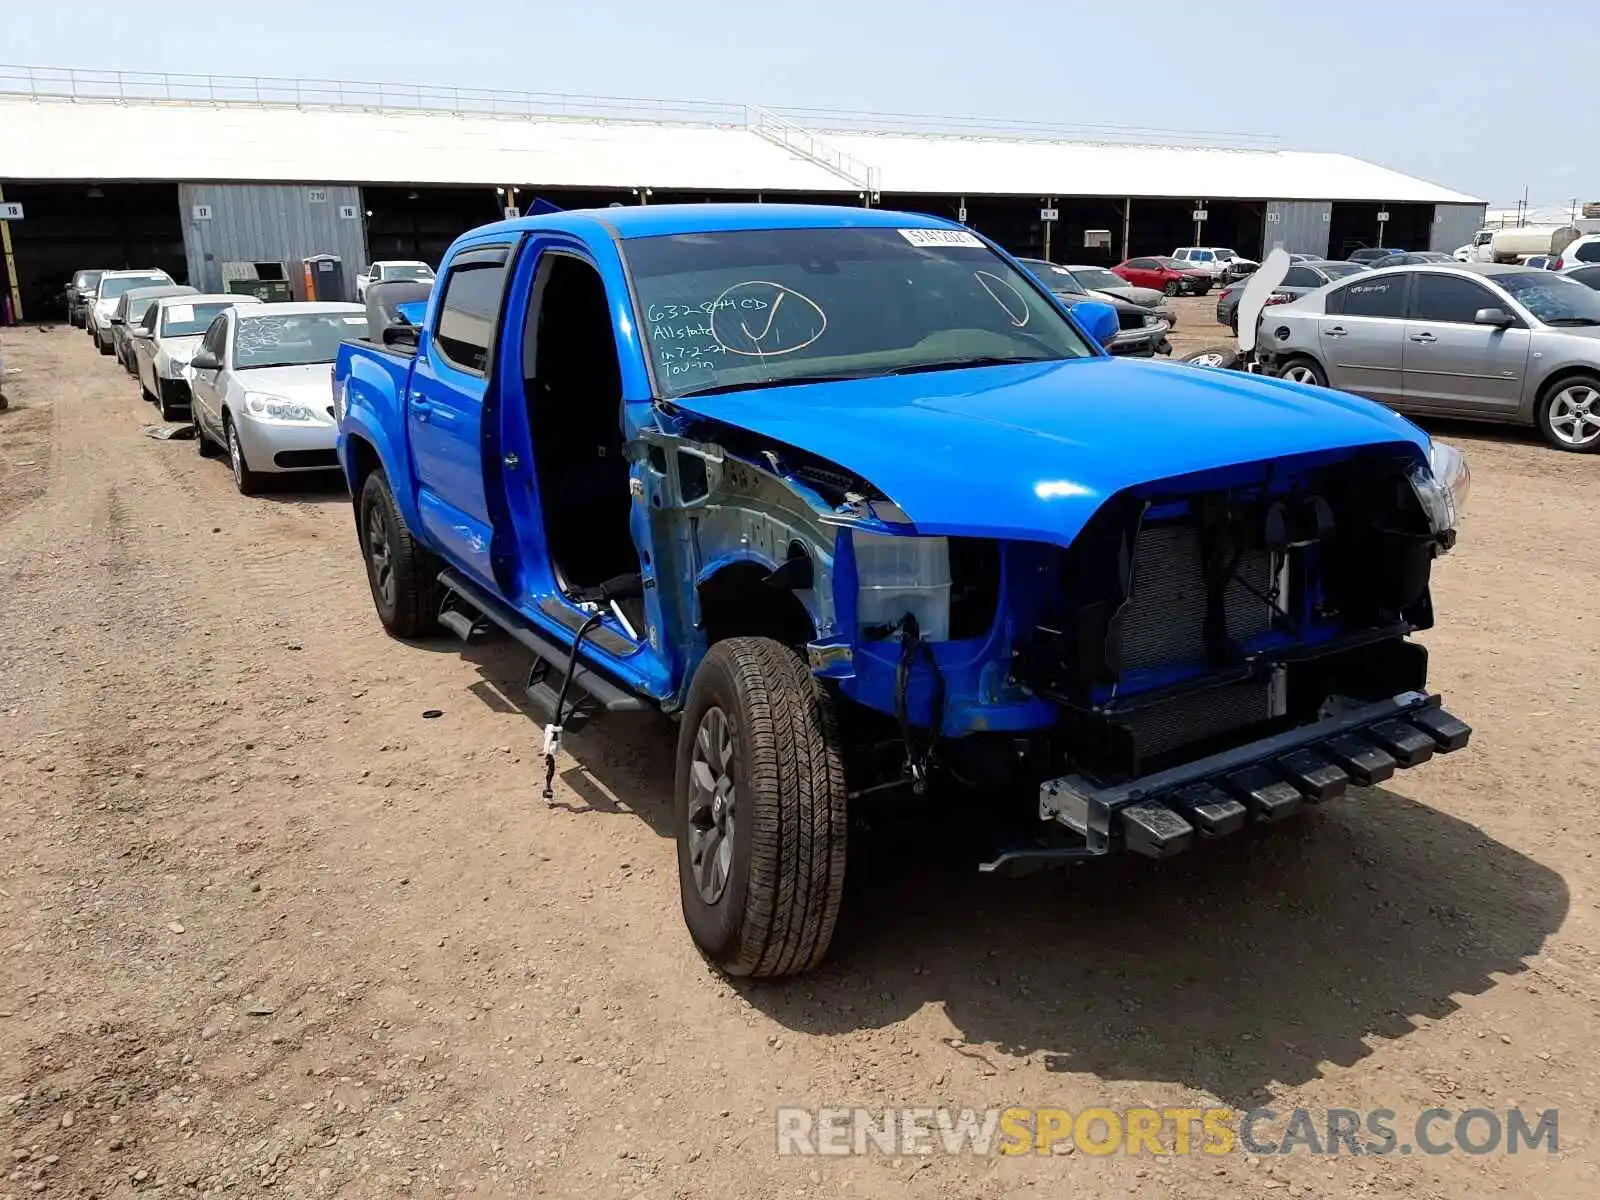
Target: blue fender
column 370, row 412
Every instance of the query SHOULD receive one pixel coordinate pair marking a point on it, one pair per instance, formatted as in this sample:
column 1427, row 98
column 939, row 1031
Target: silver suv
column 1479, row 340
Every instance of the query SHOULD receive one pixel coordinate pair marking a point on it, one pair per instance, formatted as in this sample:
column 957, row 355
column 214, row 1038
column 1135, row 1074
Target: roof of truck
column 657, row 220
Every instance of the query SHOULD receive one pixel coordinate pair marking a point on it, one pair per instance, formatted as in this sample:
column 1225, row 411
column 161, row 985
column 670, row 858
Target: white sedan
column 261, row 385
column 164, row 341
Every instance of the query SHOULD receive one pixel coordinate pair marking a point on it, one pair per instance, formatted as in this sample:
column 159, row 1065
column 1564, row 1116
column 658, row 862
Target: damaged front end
column 1205, row 652
column 1226, row 654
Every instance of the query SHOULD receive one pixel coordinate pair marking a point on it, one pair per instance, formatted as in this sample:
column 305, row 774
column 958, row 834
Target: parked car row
column 254, row 380
column 1141, row 327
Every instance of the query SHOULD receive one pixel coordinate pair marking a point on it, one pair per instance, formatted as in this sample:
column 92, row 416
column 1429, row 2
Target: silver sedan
column 261, row 386
column 1476, row 340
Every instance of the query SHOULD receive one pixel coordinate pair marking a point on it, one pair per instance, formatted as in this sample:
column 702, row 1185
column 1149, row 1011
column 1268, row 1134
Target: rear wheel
column 760, row 811
column 1569, row 414
column 402, row 575
column 1303, row 370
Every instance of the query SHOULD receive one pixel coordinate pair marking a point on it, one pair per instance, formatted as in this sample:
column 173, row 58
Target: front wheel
column 246, row 480
column 104, row 347
column 1569, row 415
column 401, row 573
column 1171, row 288
column 760, row 810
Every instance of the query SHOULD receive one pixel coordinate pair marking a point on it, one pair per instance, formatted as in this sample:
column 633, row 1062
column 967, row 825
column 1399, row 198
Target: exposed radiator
column 1164, row 620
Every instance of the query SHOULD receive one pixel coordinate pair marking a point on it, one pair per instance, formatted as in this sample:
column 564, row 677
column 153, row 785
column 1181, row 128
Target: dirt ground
column 265, row 929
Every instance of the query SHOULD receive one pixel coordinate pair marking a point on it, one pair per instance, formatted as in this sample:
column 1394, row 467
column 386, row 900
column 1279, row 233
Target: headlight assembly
column 1442, row 487
column 275, row 408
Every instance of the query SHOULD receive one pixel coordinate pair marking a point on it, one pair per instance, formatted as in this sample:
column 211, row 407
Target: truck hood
column 1032, row 450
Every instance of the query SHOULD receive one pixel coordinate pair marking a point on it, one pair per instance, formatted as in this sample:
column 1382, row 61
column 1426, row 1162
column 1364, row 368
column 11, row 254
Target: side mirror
column 1099, row 320
column 117, row 321
column 139, row 331
column 400, row 335
column 204, row 360
column 1498, row 317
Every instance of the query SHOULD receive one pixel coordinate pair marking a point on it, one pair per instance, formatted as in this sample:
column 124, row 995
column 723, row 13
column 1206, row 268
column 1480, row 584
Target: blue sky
column 1485, row 98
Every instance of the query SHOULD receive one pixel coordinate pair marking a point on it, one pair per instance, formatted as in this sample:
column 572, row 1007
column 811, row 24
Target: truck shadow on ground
column 1233, row 969
column 1242, row 966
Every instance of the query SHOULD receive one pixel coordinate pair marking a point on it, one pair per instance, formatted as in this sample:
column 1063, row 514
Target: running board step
column 590, row 693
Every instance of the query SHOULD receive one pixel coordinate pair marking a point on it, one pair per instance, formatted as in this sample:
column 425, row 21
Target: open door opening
column 574, row 392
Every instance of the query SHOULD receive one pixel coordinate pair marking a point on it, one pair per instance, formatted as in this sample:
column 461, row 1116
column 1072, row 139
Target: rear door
column 1360, row 334
column 1452, row 364
column 444, row 404
column 1145, row 272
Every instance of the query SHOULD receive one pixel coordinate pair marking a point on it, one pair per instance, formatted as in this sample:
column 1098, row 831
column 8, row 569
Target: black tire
column 406, row 596
column 247, row 481
column 167, row 409
column 783, row 879
column 1309, row 369
column 1170, row 288
column 202, row 444
column 103, row 346
column 1560, row 393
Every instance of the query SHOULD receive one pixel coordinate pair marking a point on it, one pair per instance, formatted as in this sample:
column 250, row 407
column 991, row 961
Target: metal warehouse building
column 192, row 172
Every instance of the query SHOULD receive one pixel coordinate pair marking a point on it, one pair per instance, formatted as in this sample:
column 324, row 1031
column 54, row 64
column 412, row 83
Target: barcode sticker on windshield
column 180, row 314
column 355, row 320
column 941, row 237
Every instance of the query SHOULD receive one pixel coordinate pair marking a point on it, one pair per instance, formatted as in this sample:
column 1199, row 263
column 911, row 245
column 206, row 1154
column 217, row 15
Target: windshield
column 190, row 320
column 138, row 307
column 762, row 308
column 407, row 271
column 1554, row 299
column 1098, row 278
column 86, row 280
column 1057, row 279
column 293, row 339
column 1227, row 255
column 112, row 289
column 1338, row 270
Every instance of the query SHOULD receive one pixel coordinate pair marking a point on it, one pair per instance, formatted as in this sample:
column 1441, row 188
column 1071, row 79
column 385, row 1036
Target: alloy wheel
column 1575, row 414
column 380, row 555
column 1300, row 373
column 713, row 805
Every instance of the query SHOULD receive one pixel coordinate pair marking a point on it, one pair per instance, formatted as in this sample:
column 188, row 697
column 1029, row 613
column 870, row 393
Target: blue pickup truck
column 858, row 501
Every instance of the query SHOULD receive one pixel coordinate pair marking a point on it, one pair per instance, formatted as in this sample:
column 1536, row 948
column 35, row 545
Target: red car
column 1166, row 275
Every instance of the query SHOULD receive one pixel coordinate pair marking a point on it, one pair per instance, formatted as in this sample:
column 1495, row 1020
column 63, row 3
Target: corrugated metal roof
column 47, row 139
column 1023, row 167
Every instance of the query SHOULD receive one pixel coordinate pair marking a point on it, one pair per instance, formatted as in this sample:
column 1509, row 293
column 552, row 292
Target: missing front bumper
column 1165, row 813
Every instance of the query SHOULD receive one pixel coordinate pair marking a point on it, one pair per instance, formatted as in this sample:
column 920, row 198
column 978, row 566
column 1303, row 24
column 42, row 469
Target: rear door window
column 470, row 306
column 1366, row 297
column 1589, row 252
